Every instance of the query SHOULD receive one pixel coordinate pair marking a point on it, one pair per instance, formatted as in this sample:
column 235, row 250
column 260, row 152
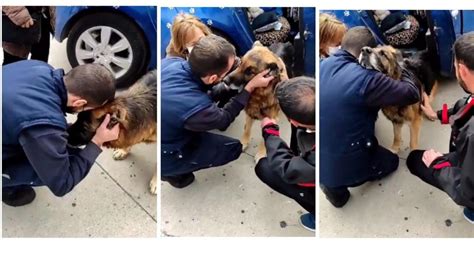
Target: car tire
column 135, row 56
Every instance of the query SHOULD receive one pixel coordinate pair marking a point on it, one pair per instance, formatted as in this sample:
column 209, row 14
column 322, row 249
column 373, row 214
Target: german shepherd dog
column 133, row 109
column 390, row 61
column 262, row 102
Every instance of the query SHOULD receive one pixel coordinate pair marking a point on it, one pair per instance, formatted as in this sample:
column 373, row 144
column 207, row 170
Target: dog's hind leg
column 397, row 137
column 120, row 154
column 433, row 92
column 153, row 185
column 415, row 126
column 261, row 151
column 247, row 131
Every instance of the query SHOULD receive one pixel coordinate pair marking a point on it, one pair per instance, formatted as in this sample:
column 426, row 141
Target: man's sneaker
column 179, row 181
column 308, row 221
column 18, row 196
column 469, row 215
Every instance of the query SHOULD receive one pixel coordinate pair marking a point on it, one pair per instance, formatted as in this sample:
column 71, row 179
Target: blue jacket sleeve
column 214, row 117
column 382, row 90
column 60, row 168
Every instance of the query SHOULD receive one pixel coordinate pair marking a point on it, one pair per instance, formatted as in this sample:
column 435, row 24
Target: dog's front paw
column 119, row 154
column 395, row 149
column 153, row 185
column 245, row 144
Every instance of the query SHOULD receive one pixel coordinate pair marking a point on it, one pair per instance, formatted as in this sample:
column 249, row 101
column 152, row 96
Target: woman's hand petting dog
column 427, row 109
column 429, row 156
column 104, row 134
column 259, row 81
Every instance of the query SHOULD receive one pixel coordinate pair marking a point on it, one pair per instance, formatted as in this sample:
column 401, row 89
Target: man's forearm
column 58, row 167
column 214, row 117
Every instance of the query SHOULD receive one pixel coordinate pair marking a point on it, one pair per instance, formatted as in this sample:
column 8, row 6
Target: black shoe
column 18, row 196
column 179, row 181
column 337, row 196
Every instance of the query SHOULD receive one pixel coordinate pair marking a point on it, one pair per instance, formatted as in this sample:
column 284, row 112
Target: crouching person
column 36, row 98
column 453, row 172
column 282, row 170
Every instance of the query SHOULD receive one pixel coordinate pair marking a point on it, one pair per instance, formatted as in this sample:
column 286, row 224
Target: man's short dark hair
column 464, row 50
column 210, row 55
column 356, row 38
column 92, row 82
column 297, row 99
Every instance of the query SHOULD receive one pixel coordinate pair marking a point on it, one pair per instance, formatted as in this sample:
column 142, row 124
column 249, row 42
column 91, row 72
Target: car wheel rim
column 106, row 46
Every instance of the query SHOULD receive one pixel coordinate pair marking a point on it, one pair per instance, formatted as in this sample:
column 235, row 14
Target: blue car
column 122, row 38
column 234, row 25
column 440, row 29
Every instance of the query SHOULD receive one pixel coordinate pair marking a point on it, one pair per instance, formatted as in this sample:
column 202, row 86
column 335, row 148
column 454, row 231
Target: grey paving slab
column 134, row 173
column 97, row 207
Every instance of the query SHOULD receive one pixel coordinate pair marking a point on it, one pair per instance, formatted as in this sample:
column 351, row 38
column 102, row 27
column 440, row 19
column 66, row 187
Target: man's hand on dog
column 427, row 109
column 104, row 134
column 429, row 156
column 29, row 23
column 259, row 81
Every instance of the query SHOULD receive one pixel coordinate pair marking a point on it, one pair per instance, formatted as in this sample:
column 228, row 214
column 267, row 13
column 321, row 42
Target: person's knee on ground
column 261, row 169
column 224, row 149
column 414, row 159
column 385, row 163
column 236, row 150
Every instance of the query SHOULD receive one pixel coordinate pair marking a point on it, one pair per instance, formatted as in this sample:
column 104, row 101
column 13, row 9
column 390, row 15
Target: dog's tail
column 149, row 79
column 432, row 70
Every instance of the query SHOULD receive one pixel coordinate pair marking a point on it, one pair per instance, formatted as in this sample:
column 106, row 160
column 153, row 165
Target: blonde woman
column 331, row 31
column 185, row 32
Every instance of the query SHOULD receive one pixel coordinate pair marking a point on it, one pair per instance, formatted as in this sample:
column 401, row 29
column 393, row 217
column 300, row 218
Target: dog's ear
column 118, row 115
column 113, row 121
column 274, row 69
column 257, row 43
column 283, row 71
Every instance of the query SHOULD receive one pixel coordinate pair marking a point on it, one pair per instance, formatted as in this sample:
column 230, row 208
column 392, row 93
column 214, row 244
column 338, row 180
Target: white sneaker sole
column 305, row 227
column 469, row 220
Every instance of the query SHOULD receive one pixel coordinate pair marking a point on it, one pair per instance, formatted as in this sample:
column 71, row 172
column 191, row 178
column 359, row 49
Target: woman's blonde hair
column 183, row 25
column 331, row 31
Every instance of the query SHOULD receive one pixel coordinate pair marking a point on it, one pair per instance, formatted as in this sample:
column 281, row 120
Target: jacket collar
column 345, row 55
